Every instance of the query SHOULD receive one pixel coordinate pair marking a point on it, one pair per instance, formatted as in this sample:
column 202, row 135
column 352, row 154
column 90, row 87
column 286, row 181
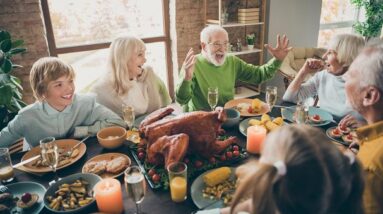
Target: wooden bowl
column 111, row 137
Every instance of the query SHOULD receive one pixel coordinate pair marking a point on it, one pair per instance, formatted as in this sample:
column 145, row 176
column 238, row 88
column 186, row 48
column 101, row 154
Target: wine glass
column 135, row 185
column 50, row 155
column 129, row 117
column 301, row 113
column 212, row 97
column 271, row 96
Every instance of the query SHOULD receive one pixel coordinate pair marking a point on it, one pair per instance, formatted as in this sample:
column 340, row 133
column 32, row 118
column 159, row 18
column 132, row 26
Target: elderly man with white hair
column 364, row 91
column 214, row 68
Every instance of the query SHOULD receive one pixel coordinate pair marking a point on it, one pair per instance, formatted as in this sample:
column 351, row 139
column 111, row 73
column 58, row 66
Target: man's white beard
column 211, row 58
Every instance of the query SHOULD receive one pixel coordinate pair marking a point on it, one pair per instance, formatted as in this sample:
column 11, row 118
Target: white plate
column 18, row 189
column 196, row 192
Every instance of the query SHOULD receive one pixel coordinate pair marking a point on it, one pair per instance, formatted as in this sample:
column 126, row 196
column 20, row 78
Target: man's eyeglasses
column 218, row 45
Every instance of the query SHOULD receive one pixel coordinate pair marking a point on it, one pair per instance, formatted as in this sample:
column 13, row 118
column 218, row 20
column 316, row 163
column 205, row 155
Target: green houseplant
column 250, row 39
column 374, row 18
column 10, row 86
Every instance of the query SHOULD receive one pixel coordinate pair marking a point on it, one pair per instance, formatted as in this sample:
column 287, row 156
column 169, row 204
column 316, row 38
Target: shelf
column 233, row 24
column 245, row 51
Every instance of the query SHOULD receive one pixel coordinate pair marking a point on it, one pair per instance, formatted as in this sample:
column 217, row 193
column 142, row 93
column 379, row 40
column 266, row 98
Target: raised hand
column 189, row 64
column 282, row 48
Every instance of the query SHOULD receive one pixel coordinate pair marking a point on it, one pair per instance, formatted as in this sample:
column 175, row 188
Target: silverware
column 26, row 161
column 3, row 189
column 69, row 153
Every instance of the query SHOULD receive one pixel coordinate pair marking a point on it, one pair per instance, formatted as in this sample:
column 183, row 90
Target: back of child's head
column 45, row 70
column 120, row 53
column 301, row 171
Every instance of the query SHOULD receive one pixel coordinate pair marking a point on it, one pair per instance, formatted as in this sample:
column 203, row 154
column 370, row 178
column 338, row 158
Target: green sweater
column 193, row 94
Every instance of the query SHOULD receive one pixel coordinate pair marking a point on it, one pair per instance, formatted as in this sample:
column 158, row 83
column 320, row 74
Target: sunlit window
column 337, row 16
column 81, row 31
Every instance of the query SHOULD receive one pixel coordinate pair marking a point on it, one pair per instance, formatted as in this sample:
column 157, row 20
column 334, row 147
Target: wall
column 299, row 20
column 23, row 19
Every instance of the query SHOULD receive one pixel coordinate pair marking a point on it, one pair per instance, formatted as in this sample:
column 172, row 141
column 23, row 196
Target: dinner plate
column 108, row 157
column 234, row 103
column 336, row 139
column 244, row 124
column 326, row 118
column 64, row 145
column 19, row 188
column 196, row 192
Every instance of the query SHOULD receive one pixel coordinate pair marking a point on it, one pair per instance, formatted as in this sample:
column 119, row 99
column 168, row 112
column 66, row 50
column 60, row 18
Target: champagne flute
column 135, row 185
column 50, row 155
column 128, row 114
column 212, row 97
column 271, row 96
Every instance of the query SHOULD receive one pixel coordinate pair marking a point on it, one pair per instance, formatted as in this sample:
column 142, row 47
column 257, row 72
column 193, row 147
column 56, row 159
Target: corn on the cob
column 217, row 176
column 278, row 121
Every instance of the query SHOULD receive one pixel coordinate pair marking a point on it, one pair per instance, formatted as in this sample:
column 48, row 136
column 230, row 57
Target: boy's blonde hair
column 347, row 47
column 121, row 51
column 45, row 70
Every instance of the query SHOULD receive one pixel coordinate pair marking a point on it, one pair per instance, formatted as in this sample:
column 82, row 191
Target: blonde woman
column 302, row 173
column 128, row 81
column 328, row 83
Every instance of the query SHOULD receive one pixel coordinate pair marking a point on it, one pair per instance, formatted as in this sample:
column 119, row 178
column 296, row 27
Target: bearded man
column 214, row 68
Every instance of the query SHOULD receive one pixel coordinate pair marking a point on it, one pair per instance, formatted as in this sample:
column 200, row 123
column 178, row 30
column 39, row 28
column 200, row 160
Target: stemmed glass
column 135, row 185
column 50, row 155
column 271, row 96
column 129, row 117
column 212, row 97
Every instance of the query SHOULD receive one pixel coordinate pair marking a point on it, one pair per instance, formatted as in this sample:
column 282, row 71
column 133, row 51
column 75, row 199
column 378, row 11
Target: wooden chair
column 16, row 147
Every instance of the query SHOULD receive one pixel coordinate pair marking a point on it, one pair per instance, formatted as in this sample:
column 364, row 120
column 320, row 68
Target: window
column 337, row 16
column 80, row 32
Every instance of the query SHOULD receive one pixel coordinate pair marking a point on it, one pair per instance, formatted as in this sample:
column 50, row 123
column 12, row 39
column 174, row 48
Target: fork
column 69, row 153
column 3, row 189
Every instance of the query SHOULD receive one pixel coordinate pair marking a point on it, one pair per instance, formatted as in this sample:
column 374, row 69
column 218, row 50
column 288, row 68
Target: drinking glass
column 135, row 185
column 128, row 115
column 212, row 97
column 177, row 172
column 301, row 113
column 6, row 169
column 271, row 96
column 50, row 155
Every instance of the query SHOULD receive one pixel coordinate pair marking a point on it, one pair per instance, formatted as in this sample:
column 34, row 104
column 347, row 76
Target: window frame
column 55, row 51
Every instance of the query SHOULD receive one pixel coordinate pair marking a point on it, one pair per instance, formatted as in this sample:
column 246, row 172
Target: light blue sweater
column 330, row 91
column 39, row 120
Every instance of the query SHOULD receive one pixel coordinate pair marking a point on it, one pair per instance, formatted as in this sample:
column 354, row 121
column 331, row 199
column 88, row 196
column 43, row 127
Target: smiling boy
column 58, row 112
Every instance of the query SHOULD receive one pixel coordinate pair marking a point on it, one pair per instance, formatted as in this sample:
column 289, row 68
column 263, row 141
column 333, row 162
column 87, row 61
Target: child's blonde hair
column 45, row 70
column 121, row 51
column 319, row 178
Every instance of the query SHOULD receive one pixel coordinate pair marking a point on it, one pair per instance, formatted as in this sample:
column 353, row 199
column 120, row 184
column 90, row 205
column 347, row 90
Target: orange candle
column 255, row 137
column 108, row 196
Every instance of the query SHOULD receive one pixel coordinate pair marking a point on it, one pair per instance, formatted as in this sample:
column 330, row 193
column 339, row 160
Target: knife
column 26, row 161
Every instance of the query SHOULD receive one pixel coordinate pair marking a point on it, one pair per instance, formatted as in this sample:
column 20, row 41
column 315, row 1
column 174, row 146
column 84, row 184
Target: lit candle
column 255, row 137
column 109, row 196
column 178, row 189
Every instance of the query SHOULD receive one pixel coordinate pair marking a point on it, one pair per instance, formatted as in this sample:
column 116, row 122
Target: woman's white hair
column 120, row 53
column 347, row 46
column 370, row 66
column 208, row 31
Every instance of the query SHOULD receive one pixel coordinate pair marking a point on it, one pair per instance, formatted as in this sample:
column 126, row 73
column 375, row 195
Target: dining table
column 155, row 201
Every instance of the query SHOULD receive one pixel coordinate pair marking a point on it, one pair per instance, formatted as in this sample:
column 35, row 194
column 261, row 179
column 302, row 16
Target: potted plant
column 374, row 18
column 250, row 40
column 10, row 86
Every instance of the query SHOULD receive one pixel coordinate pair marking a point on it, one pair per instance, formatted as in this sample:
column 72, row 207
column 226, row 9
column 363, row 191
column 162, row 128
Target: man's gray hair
column 370, row 67
column 208, row 31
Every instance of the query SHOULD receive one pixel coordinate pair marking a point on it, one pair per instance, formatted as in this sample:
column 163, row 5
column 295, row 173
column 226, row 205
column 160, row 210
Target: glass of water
column 50, row 155
column 301, row 113
column 212, row 97
column 271, row 96
column 135, row 185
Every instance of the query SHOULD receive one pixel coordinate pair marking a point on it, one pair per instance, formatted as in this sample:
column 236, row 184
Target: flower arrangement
column 250, row 39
